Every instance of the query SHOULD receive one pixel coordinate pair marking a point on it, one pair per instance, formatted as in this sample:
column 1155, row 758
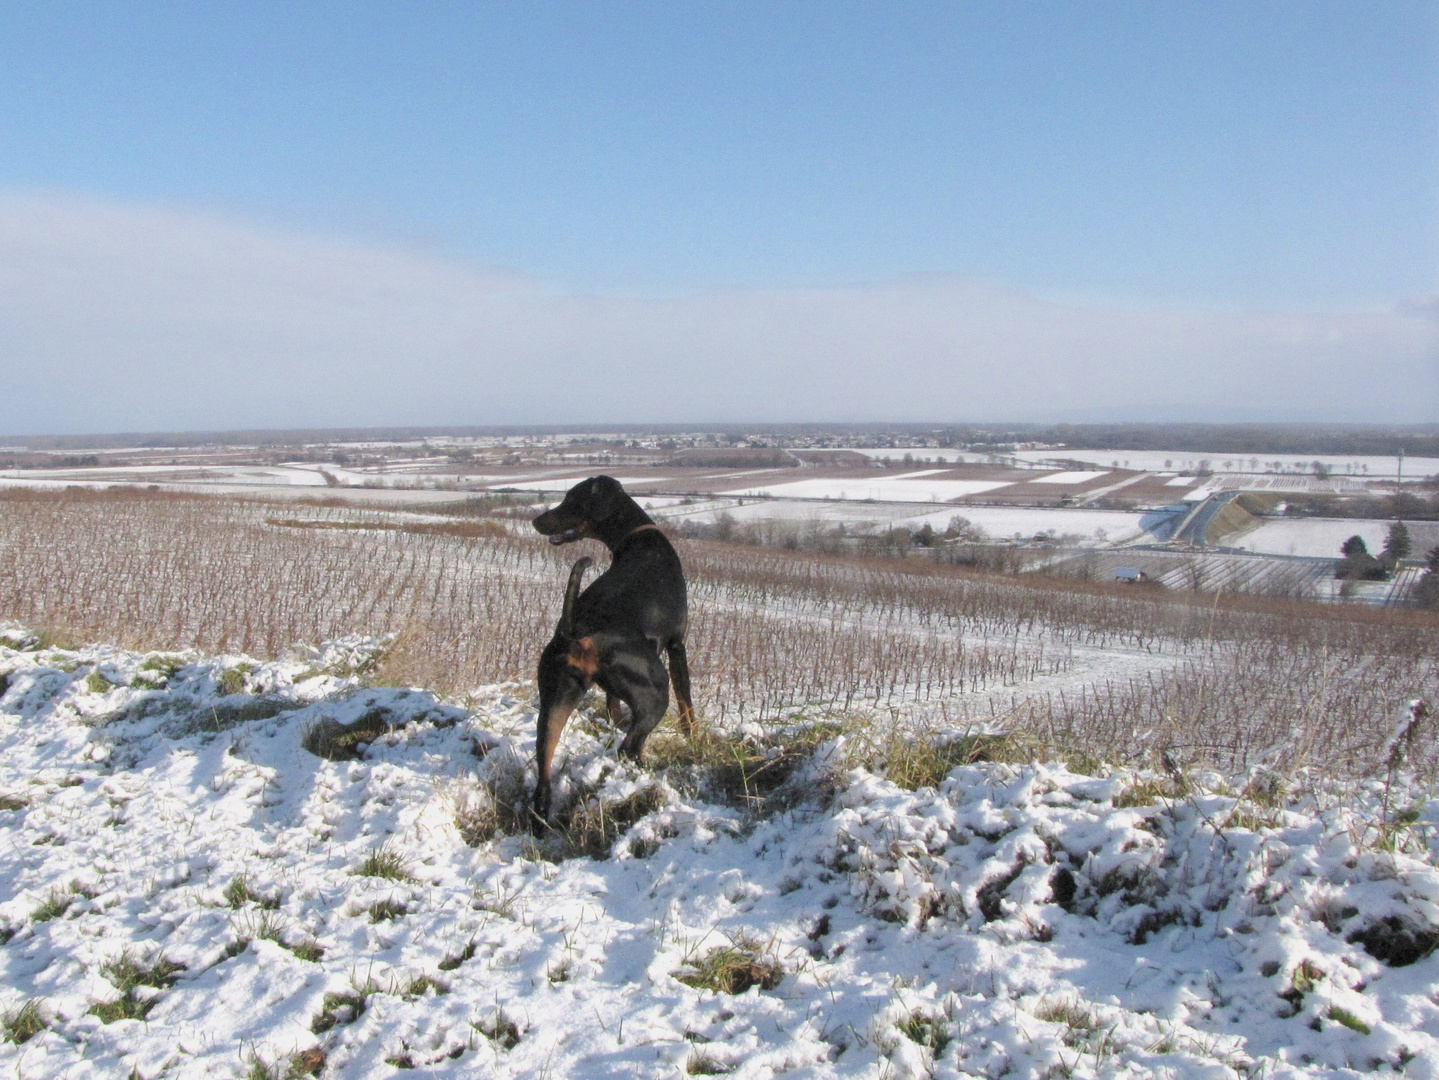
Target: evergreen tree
column 1354, row 547
column 1397, row 544
column 1426, row 594
column 1359, row 565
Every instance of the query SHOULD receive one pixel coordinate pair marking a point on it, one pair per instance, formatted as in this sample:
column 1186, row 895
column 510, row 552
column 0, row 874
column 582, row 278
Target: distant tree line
column 739, row 457
column 1247, row 438
column 1403, row 506
column 1286, row 439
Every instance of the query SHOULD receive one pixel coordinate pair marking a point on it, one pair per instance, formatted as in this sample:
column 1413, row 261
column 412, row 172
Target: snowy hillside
column 187, row 891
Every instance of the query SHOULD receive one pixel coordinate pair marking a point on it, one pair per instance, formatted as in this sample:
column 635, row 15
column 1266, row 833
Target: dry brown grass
column 1233, row 678
column 732, row 968
column 590, row 826
column 341, row 742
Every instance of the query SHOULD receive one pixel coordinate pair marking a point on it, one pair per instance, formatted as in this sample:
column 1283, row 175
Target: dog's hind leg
column 648, row 696
column 612, row 707
column 680, row 676
column 566, row 669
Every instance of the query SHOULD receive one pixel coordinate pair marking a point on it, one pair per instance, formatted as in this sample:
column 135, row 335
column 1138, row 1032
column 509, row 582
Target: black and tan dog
column 611, row 635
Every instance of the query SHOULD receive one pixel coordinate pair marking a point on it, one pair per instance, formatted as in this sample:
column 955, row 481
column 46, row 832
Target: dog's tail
column 572, row 590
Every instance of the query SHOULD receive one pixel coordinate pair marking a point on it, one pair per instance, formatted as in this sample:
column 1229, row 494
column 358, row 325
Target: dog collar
column 638, row 529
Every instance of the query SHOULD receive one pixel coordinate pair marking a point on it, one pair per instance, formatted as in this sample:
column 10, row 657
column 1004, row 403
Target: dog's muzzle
column 567, row 537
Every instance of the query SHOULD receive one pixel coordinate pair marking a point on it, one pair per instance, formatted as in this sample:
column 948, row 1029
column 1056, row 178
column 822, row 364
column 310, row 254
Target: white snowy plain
column 1080, row 476
column 1314, row 537
column 1016, row 921
column 911, row 487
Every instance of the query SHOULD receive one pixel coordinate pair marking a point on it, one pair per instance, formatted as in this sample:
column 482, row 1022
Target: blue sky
column 1150, row 158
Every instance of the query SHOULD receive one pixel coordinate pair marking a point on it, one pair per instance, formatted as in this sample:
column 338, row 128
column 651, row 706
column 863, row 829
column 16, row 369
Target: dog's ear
column 603, row 494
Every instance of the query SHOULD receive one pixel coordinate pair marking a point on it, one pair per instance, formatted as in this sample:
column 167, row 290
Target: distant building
column 1129, row 574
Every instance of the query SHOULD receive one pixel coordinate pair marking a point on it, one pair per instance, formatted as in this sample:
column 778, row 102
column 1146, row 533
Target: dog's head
column 584, row 506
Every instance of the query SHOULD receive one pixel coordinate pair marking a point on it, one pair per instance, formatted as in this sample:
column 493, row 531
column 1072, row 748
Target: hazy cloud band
column 125, row 318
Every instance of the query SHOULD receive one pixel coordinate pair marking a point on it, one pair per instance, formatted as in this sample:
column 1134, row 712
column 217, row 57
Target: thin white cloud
column 137, row 318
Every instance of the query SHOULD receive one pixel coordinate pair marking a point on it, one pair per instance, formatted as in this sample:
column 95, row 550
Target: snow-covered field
column 564, row 482
column 1076, row 476
column 206, row 475
column 1003, row 522
column 907, row 487
column 918, row 453
column 1320, row 537
column 1095, row 526
column 172, row 854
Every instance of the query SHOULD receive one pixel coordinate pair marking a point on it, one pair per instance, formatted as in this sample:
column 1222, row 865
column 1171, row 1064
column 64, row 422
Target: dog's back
column 641, row 595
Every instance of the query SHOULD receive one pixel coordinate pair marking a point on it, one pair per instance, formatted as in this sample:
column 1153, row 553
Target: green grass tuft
column 381, row 910
column 454, row 960
column 265, row 924
column 1348, row 1019
column 126, row 971
column 344, row 1007
column 126, row 1007
column 926, row 1031
column 420, row 985
column 1147, row 793
column 23, row 1024
column 240, row 892
column 156, row 671
column 700, row 1063
column 308, row 950
column 500, row 1030
column 56, row 902
column 1073, row 1014
column 1306, row 976
column 383, row 862
column 232, row 680
column 740, row 770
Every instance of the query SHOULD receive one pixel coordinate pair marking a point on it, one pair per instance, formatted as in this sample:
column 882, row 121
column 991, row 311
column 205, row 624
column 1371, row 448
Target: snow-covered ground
column 1015, row 921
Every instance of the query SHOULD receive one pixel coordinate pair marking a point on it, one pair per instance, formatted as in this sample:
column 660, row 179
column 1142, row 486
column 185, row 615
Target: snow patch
column 1017, row 920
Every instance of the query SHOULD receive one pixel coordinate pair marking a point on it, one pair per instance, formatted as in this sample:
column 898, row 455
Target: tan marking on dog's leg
column 554, row 723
